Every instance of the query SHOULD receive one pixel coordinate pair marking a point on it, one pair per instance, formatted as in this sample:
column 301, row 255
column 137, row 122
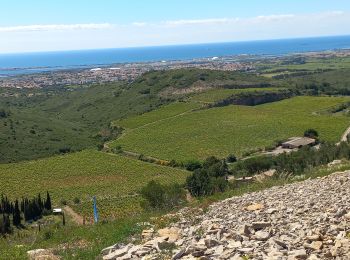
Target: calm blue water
column 38, row 62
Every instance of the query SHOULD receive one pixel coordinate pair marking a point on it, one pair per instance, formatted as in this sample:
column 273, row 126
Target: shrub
column 209, row 179
column 48, row 235
column 64, row 150
column 198, row 183
column 118, row 150
column 311, row 133
column 100, row 147
column 192, row 165
column 3, row 113
column 63, row 202
column 174, row 195
column 231, row 158
column 154, row 194
column 174, row 163
column 158, row 196
column 76, row 200
column 253, row 165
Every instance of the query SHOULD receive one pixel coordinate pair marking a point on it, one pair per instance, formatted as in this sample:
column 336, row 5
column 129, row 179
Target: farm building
column 298, row 142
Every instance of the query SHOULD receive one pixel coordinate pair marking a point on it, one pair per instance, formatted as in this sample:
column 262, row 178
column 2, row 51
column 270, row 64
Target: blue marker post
column 95, row 210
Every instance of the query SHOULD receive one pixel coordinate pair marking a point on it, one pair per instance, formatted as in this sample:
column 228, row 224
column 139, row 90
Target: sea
column 28, row 63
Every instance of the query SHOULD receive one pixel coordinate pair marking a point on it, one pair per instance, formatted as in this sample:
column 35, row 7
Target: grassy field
column 111, row 178
column 311, row 64
column 69, row 241
column 234, row 129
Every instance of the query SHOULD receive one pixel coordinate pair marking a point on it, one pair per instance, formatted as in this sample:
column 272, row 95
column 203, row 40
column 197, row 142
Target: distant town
column 117, row 72
column 129, row 71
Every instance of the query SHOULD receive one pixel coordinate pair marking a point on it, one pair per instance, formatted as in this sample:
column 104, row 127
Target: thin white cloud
column 171, row 23
column 56, row 27
column 227, row 20
column 262, row 18
column 200, row 21
column 147, row 33
column 274, row 17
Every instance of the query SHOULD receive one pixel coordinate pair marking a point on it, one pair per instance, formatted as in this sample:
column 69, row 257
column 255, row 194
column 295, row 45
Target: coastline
column 29, row 63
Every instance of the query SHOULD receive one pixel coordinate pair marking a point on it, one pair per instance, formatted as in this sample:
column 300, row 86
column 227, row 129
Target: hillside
column 305, row 220
column 230, row 129
column 52, row 136
column 44, row 122
column 113, row 179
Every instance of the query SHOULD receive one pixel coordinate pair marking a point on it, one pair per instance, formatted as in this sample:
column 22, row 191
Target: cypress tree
column 16, row 215
column 48, row 205
column 5, row 225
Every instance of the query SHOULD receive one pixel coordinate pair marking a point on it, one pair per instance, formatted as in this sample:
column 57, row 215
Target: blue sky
column 44, row 25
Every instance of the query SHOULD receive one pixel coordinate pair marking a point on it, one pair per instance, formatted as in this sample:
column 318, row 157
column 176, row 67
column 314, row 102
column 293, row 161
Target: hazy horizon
column 173, row 45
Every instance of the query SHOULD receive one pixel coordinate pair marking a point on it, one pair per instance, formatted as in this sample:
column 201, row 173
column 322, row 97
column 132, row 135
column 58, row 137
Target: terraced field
column 234, row 129
column 164, row 112
column 112, row 178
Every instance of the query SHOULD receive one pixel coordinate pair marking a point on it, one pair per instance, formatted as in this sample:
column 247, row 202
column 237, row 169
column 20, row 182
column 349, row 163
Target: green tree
column 198, row 183
column 158, row 196
column 48, row 204
column 154, row 194
column 231, row 158
column 209, row 179
column 16, row 215
column 5, row 225
column 193, row 165
column 311, row 133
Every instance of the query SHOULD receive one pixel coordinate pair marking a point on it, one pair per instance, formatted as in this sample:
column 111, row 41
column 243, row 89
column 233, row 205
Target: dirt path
column 75, row 216
column 344, row 137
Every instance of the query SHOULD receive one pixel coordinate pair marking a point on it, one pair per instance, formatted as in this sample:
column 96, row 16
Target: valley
column 111, row 140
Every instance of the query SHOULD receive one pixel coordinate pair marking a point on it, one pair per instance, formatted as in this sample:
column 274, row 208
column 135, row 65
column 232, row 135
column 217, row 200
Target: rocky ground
column 306, row 220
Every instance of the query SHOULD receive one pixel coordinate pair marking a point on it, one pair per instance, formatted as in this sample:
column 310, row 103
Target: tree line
column 294, row 163
column 210, row 177
column 207, row 178
column 25, row 209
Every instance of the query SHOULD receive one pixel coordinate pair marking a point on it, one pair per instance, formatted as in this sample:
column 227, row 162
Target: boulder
column 261, row 235
column 172, row 234
column 255, row 207
column 117, row 253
